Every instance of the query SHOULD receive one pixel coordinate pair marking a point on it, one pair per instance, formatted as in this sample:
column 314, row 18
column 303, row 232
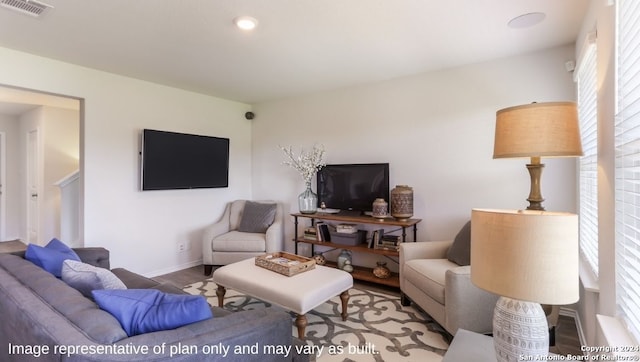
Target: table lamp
column 537, row 130
column 527, row 257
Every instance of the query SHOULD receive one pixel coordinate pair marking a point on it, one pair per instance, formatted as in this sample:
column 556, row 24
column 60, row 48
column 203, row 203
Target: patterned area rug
column 378, row 328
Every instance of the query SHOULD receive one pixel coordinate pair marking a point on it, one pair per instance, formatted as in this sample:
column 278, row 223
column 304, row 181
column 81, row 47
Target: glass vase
column 308, row 201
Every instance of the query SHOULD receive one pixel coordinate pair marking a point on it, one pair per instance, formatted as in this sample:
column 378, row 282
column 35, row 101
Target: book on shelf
column 376, row 236
column 384, row 241
column 347, row 228
column 310, row 233
column 391, row 238
column 385, row 245
column 322, row 231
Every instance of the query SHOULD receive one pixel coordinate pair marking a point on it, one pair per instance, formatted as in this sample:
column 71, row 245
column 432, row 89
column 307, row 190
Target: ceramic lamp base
column 520, row 330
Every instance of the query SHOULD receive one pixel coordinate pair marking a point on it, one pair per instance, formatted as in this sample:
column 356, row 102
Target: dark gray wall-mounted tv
column 171, row 160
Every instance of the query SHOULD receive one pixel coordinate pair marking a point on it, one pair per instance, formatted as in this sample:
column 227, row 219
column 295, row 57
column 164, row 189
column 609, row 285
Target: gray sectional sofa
column 44, row 319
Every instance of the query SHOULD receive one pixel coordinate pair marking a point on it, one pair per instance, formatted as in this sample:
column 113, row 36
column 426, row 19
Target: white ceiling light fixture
column 526, row 20
column 246, row 23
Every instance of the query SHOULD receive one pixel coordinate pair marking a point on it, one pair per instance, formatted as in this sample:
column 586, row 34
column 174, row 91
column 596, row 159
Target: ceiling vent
column 29, row 7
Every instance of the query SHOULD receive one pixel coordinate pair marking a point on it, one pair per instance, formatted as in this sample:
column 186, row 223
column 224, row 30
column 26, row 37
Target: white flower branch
column 307, row 163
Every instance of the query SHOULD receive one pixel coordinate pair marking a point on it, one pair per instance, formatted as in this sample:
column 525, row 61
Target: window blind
column 627, row 164
column 588, row 165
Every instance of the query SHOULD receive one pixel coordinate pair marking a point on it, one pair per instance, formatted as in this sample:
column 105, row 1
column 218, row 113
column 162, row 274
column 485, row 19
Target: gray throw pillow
column 257, row 217
column 85, row 277
column 460, row 250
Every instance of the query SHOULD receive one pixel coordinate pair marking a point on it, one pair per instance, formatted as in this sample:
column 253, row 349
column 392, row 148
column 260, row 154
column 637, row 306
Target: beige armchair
column 246, row 229
column 443, row 289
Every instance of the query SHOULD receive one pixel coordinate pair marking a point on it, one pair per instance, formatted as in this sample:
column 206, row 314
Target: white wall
column 436, row 130
column 141, row 229
column 10, row 126
column 61, row 137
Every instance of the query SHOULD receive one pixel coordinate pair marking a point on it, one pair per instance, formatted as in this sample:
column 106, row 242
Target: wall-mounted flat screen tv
column 171, row 160
column 352, row 187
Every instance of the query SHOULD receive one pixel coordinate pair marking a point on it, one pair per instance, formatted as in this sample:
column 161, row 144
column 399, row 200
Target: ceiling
column 299, row 46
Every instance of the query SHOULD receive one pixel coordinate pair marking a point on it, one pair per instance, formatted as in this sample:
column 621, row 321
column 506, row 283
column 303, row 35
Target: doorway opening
column 42, row 145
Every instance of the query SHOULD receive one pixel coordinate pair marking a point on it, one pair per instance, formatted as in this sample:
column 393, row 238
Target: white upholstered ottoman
column 299, row 293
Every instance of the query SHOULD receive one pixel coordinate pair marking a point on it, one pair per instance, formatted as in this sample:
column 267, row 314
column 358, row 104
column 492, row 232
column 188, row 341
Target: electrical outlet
column 182, row 246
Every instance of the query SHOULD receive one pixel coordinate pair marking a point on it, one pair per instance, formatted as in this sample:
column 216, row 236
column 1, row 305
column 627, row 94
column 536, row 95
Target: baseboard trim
column 172, row 269
column 568, row 312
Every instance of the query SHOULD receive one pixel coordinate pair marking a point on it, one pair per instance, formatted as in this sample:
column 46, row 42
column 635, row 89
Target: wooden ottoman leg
column 344, row 297
column 301, row 323
column 220, row 292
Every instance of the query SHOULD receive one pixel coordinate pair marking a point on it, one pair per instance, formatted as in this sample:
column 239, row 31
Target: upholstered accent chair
column 246, row 229
column 436, row 276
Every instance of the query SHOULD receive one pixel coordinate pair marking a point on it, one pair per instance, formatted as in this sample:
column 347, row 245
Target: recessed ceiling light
column 526, row 20
column 245, row 22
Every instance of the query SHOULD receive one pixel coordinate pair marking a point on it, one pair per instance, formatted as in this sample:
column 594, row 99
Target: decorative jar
column 402, row 202
column 379, row 208
column 343, row 257
column 308, row 201
column 381, row 271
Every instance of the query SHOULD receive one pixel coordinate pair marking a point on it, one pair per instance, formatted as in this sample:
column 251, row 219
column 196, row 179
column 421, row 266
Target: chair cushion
column 148, row 310
column 85, row 277
column 428, row 275
column 50, row 257
column 257, row 217
column 239, row 241
column 460, row 250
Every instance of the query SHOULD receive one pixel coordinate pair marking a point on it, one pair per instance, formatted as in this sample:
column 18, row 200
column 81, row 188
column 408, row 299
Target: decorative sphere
column 320, row 259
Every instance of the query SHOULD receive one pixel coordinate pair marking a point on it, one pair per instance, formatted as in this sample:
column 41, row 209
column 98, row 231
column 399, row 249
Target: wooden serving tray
column 285, row 263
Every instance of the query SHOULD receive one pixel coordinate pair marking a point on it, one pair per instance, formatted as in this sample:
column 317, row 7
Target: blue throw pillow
column 148, row 310
column 50, row 257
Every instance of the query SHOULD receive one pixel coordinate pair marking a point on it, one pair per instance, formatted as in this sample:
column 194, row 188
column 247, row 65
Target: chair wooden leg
column 208, row 269
column 404, row 300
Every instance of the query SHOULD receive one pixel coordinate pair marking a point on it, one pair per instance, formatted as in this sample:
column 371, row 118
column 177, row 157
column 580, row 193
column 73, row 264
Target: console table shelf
column 358, row 248
column 366, row 275
column 359, row 273
column 361, row 219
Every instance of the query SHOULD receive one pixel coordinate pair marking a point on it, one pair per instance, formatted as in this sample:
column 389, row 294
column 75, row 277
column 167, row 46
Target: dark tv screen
column 173, row 160
column 353, row 187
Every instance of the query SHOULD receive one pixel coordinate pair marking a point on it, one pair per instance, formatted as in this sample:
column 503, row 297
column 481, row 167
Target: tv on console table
column 352, row 188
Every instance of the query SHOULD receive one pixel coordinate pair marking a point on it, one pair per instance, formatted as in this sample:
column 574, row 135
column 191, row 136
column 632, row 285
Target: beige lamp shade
column 525, row 254
column 538, row 130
